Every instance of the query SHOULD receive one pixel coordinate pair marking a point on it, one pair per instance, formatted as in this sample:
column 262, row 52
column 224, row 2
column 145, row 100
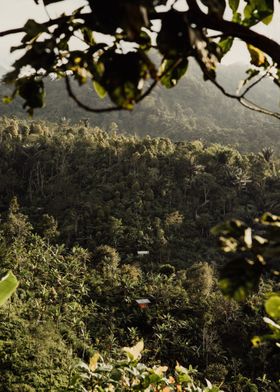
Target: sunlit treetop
column 121, row 63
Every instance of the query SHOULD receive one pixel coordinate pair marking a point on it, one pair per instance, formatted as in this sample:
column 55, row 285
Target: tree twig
column 242, row 99
column 115, row 108
column 84, row 106
column 103, row 110
column 86, row 16
column 253, row 106
column 195, row 15
column 232, row 29
column 255, row 83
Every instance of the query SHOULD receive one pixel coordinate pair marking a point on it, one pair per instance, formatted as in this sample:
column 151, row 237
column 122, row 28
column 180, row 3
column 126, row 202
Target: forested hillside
column 194, row 110
column 77, row 204
column 133, row 193
column 140, row 245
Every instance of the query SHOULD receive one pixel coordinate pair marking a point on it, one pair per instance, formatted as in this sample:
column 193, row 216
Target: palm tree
column 267, row 154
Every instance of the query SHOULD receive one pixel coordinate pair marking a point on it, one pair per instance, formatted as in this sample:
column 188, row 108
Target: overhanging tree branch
column 83, row 105
column 257, row 81
column 182, row 35
column 195, row 15
column 244, row 101
column 103, row 110
column 232, row 29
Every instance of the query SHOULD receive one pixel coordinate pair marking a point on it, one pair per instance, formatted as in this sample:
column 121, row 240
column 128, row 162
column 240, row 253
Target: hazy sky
column 14, row 13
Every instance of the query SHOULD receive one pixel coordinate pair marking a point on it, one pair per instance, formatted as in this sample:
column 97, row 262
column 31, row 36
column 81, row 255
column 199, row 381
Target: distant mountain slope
column 2, row 71
column 193, row 109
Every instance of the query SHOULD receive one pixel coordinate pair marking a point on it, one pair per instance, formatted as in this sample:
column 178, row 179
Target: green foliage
column 173, row 70
column 254, row 253
column 180, row 114
column 166, row 269
column 8, row 285
column 120, row 62
column 258, row 11
column 80, row 185
column 117, row 195
column 272, row 307
column 132, row 375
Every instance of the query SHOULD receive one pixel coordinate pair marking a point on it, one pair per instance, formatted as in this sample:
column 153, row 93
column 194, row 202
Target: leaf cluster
column 120, row 63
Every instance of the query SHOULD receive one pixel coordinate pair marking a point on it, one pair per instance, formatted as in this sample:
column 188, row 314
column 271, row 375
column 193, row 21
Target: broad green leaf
column 258, row 11
column 32, row 28
column 160, row 370
column 154, row 378
column 134, row 353
column 267, row 20
column 272, row 306
column 236, row 17
column 239, row 277
column 215, row 6
column 101, row 92
column 225, row 44
column 7, row 100
column 172, row 71
column 8, row 285
column 257, row 56
column 32, row 91
column 93, row 362
column 234, row 4
column 256, row 341
column 173, row 39
column 123, row 77
column 88, row 36
column 271, row 323
column 270, row 219
column 233, row 227
column 144, row 40
column 248, row 237
column 183, row 374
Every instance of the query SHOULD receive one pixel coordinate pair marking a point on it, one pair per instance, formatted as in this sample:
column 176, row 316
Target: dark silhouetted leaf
column 173, row 70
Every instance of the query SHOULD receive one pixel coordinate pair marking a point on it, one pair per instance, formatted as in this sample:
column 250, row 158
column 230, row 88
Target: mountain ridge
column 192, row 110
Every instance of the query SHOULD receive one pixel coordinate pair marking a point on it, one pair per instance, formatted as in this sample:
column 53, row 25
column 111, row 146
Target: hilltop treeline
column 77, row 204
column 133, row 193
column 194, row 110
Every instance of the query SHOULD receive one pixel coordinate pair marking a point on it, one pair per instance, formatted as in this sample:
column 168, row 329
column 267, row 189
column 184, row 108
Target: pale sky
column 14, row 13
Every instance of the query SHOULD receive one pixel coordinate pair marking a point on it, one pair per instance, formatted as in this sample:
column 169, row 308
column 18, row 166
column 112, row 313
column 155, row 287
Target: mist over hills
column 2, row 70
column 194, row 109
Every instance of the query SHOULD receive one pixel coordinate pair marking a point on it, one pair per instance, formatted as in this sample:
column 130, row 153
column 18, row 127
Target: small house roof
column 142, row 301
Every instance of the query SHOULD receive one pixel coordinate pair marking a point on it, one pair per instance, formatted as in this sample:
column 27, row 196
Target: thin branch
column 216, row 36
column 202, row 20
column 155, row 82
column 255, row 83
column 12, row 31
column 220, row 87
column 253, row 106
column 244, row 101
column 147, row 92
column 86, row 16
column 115, row 108
column 232, row 29
column 84, row 106
column 46, row 10
column 196, row 16
column 103, row 110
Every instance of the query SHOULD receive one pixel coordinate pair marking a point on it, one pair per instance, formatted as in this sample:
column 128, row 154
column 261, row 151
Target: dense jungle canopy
column 113, row 224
